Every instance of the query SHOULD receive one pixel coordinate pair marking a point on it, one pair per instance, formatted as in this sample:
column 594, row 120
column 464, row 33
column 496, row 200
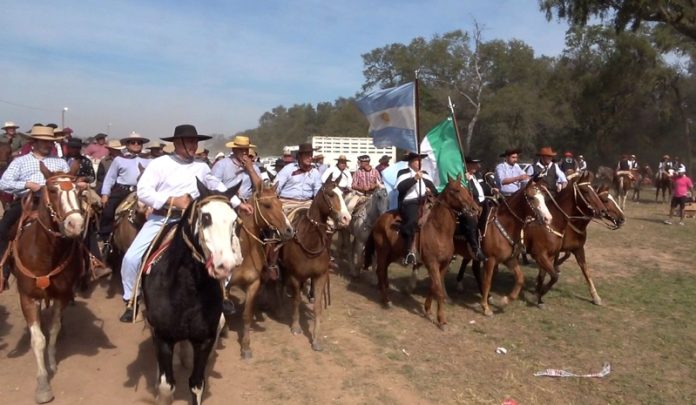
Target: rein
column 318, row 226
column 199, row 254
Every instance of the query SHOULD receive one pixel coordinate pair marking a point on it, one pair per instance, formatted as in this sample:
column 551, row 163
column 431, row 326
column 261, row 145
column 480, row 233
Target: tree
column 678, row 14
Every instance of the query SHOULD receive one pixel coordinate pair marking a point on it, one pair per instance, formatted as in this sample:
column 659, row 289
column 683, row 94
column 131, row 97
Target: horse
column 604, row 177
column 575, row 237
column 663, row 183
column 623, row 181
column 126, row 227
column 435, row 242
column 363, row 218
column 307, row 254
column 642, row 174
column 268, row 217
column 578, row 201
column 182, row 289
column 47, row 260
column 502, row 239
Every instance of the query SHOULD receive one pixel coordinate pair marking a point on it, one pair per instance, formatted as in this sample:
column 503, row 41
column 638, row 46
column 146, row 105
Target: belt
column 175, row 213
column 125, row 187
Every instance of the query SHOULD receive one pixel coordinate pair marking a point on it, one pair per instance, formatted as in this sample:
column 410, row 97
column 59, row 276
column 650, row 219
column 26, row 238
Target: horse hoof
column 488, row 312
column 296, row 330
column 43, row 391
column 541, row 305
column 597, row 301
column 246, row 354
column 505, row 300
column 316, row 346
column 443, row 327
column 387, row 305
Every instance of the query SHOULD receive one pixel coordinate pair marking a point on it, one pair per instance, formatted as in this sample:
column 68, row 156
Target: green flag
column 444, row 157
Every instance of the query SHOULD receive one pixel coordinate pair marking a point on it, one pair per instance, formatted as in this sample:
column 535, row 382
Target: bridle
column 614, row 225
column 319, row 225
column 537, row 213
column 264, row 222
column 198, row 249
column 66, row 184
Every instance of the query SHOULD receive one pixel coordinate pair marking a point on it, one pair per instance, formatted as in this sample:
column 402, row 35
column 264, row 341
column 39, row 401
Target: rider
column 508, row 174
column 365, row 181
column 121, row 180
column 678, row 165
column 582, row 164
column 479, row 190
column 239, row 167
column 383, row 163
column 568, row 163
column 168, row 185
column 663, row 167
column 97, row 150
column 318, row 162
column 74, row 153
column 115, row 149
column 549, row 171
column 10, row 136
column 24, row 175
column 299, row 181
column 413, row 185
column 340, row 173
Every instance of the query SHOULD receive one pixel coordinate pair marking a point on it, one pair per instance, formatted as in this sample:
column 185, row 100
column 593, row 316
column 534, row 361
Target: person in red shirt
column 682, row 186
column 98, row 149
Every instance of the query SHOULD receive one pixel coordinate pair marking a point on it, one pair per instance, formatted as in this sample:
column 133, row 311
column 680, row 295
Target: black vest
column 549, row 176
column 568, row 163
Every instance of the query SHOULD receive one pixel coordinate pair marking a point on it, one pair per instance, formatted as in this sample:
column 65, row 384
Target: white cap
column 681, row 170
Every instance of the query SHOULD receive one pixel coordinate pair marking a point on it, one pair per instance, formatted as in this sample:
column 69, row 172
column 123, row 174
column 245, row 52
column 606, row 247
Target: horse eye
column 206, row 220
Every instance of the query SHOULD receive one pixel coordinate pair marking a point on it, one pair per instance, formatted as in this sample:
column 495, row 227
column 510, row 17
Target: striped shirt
column 26, row 168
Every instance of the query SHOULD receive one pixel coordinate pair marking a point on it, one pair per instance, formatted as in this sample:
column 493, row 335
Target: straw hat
column 115, row 144
column 10, row 124
column 342, row 158
column 219, row 155
column 43, row 133
column 134, row 136
column 240, row 142
column 168, row 148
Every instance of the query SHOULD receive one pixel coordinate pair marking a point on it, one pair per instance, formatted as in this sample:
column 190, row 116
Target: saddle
column 425, row 213
column 126, row 205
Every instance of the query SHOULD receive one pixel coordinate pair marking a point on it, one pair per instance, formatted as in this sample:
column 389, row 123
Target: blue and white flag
column 389, row 179
column 392, row 116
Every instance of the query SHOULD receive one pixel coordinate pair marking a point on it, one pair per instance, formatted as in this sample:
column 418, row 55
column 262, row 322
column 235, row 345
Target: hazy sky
column 150, row 65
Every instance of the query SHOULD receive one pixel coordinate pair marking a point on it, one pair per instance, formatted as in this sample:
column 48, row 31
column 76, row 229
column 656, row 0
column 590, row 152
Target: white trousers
column 134, row 255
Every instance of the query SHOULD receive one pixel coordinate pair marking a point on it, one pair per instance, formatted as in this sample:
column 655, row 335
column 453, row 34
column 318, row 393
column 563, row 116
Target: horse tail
column 369, row 251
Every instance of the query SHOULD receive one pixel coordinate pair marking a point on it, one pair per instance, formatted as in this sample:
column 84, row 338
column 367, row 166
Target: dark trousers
column 468, row 226
column 12, row 214
column 118, row 194
column 409, row 211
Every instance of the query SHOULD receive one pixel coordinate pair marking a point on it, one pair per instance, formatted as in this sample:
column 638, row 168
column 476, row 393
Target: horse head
column 61, row 197
column 612, row 212
column 534, row 193
column 458, row 197
column 331, row 203
column 378, row 203
column 269, row 209
column 212, row 225
column 586, row 195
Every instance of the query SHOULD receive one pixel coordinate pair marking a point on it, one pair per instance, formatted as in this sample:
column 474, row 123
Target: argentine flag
column 392, row 116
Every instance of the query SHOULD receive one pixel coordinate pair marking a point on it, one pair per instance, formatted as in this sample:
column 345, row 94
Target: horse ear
column 44, row 170
column 329, row 179
column 202, row 189
column 74, row 167
column 232, row 191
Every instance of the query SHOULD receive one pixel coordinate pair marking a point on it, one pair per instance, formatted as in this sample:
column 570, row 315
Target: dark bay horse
column 268, row 217
column 663, row 184
column 307, row 254
column 47, row 259
column 502, row 239
column 182, row 290
column 126, row 227
column 435, row 242
column 578, row 201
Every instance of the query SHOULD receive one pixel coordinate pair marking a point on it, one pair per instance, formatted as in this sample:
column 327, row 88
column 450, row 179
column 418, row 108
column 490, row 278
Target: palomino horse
column 502, row 238
column 663, row 183
column 623, row 181
column 268, row 217
column 363, row 218
column 307, row 255
column 578, row 201
column 435, row 241
column 575, row 237
column 47, row 260
column 182, row 290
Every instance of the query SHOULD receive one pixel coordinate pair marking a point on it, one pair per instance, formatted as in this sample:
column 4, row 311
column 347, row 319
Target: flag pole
column 418, row 132
column 456, row 127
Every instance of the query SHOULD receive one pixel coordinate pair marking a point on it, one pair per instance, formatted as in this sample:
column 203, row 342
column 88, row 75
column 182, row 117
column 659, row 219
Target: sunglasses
column 135, row 142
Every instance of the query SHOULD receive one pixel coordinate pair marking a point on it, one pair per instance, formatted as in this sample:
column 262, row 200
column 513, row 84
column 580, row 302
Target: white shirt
column 475, row 182
column 345, row 179
column 165, row 177
column 419, row 188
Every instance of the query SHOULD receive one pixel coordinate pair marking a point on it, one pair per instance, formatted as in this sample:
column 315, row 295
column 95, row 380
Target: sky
column 147, row 66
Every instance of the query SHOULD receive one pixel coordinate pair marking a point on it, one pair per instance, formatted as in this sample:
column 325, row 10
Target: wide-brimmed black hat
column 413, row 155
column 186, row 131
column 471, row 160
column 305, row 148
column 509, row 152
column 75, row 143
column 100, row 135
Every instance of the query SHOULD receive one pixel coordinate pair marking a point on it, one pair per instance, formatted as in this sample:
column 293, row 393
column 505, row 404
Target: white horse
column 360, row 227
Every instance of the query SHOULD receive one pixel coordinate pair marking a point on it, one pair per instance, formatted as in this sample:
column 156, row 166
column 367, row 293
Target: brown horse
column 623, row 181
column 575, row 237
column 268, row 216
column 126, row 227
column 435, row 242
column 502, row 239
column 577, row 202
column 663, row 183
column 47, row 260
column 307, row 255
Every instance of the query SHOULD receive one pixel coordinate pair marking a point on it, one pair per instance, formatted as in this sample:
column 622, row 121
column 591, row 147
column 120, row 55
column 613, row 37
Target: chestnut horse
column 47, row 259
column 663, row 183
column 623, row 181
column 578, row 201
column 307, row 255
column 126, row 228
column 435, row 241
column 502, row 239
column 268, row 218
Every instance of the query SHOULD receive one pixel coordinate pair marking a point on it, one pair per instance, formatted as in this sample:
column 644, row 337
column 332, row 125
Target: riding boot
column 128, row 314
column 410, row 257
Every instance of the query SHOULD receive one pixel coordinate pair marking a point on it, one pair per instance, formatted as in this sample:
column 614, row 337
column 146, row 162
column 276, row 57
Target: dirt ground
column 375, row 355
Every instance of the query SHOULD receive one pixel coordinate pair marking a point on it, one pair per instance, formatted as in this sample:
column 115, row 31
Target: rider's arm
column 282, row 177
column 10, row 181
column 110, row 178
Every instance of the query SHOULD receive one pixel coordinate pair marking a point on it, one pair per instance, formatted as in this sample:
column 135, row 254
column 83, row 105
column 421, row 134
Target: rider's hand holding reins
column 32, row 186
column 248, row 208
column 180, row 202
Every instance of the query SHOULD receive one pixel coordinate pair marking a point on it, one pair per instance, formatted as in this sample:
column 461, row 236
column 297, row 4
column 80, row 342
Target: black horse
column 182, row 290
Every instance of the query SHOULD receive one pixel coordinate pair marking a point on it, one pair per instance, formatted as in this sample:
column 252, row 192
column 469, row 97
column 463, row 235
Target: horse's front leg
column 165, row 372
column 201, row 355
column 545, row 266
column 249, row 306
column 356, row 256
column 580, row 258
column 383, row 279
column 486, row 285
column 32, row 314
column 296, row 298
column 441, row 294
column 320, row 284
column 56, row 318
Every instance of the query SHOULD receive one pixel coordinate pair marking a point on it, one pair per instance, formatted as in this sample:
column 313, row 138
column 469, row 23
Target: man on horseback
column 99, row 149
column 365, row 181
column 479, row 190
column 22, row 176
column 664, row 167
column 239, row 167
column 582, row 164
column 168, row 185
column 299, row 182
column 549, row 171
column 121, row 180
column 678, row 165
column 340, row 174
column 568, row 163
column 509, row 176
column 318, row 162
column 413, row 185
